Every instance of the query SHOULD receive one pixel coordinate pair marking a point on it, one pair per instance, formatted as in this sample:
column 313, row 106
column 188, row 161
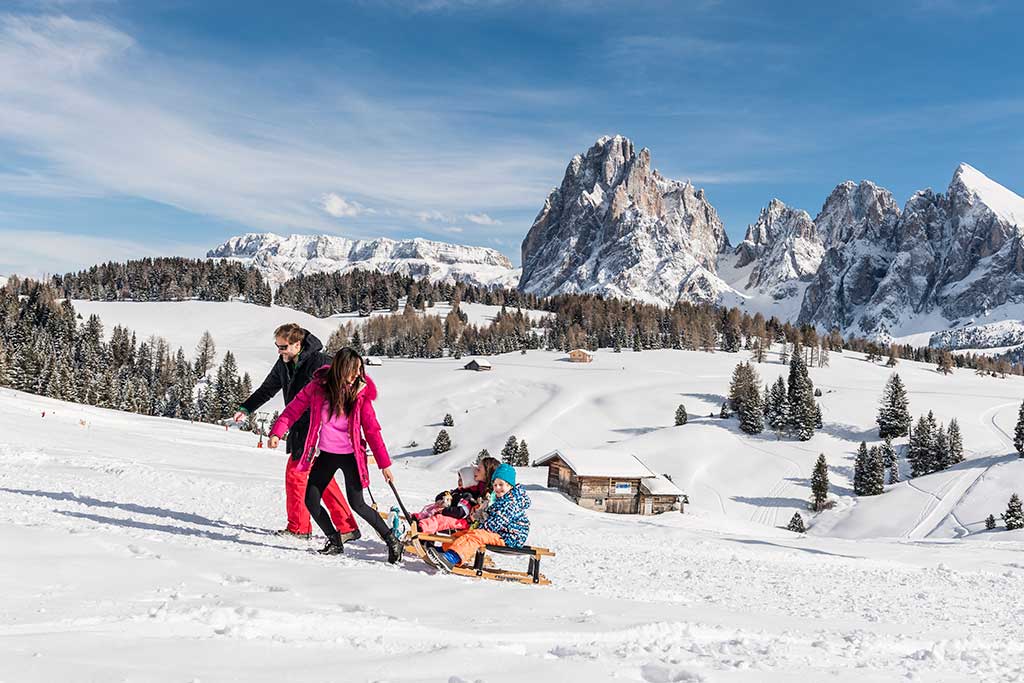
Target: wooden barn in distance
column 580, row 356
column 478, row 364
column 610, row 481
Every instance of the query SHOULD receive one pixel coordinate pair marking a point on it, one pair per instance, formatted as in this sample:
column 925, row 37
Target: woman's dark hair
column 490, row 464
column 341, row 396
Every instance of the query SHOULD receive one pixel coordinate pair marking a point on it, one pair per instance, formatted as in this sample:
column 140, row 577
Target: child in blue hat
column 506, row 523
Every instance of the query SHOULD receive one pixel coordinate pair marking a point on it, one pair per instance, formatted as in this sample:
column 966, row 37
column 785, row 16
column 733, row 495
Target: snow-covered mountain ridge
column 281, row 258
column 616, row 227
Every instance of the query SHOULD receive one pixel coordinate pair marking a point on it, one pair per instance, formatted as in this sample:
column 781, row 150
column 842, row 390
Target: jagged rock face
column 615, row 227
column 958, row 254
column 858, row 224
column 985, row 264
column 280, row 258
column 784, row 246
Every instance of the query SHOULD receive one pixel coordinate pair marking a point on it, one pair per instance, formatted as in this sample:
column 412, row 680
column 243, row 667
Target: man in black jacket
column 300, row 354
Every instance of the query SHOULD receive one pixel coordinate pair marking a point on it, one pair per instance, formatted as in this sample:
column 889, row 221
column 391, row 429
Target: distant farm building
column 372, row 360
column 610, row 481
column 580, row 356
column 478, row 364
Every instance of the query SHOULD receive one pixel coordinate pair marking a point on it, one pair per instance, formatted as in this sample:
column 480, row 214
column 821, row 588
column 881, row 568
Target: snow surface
column 138, row 548
column 1005, row 203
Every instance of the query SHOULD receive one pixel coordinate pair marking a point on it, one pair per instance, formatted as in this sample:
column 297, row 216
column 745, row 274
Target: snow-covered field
column 138, row 548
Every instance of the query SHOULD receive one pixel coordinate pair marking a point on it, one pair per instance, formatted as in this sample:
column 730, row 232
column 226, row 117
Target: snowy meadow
column 141, row 548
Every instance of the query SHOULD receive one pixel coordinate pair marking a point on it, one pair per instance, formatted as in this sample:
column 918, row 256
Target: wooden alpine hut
column 610, row 481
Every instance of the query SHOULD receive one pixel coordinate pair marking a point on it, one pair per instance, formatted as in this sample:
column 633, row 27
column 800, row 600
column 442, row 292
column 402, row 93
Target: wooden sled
column 483, row 565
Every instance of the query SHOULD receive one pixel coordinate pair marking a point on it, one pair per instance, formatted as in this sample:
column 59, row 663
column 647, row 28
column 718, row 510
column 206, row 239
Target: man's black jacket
column 291, row 377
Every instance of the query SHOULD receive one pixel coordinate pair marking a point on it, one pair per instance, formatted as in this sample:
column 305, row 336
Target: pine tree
column 956, row 444
column 448, row 421
column 819, row 484
column 680, row 415
column 751, row 412
column 784, row 355
column 522, row 455
column 443, row 443
column 780, row 406
column 481, row 455
column 802, row 414
column 990, row 522
column 206, row 351
column 941, row 456
column 738, row 386
column 1018, row 433
column 919, row 451
column 874, row 482
column 797, row 524
column 893, row 412
column 5, row 379
column 769, row 406
column 725, row 413
column 860, row 470
column 1014, row 516
column 889, row 460
column 934, row 458
column 357, row 342
column 511, row 451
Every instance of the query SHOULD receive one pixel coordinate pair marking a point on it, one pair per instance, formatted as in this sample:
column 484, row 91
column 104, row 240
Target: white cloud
column 481, row 219
column 454, row 230
column 434, row 217
column 103, row 117
column 339, row 207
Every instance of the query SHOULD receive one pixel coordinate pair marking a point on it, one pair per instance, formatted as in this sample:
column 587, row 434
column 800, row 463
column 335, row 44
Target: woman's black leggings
column 324, row 467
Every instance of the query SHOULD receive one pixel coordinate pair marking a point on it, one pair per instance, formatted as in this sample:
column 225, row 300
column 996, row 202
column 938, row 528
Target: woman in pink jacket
column 342, row 422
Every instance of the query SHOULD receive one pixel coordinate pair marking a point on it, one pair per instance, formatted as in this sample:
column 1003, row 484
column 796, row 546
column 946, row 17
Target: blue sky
column 164, row 127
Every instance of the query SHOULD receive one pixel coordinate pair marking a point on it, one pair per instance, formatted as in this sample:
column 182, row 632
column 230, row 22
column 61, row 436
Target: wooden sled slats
column 483, row 566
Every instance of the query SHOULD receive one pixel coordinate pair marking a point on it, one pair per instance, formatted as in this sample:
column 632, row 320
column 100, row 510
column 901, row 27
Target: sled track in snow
column 988, row 418
column 767, row 514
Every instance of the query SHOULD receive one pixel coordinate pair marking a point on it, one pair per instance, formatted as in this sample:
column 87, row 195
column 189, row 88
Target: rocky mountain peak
column 615, row 226
column 857, row 210
column 785, row 245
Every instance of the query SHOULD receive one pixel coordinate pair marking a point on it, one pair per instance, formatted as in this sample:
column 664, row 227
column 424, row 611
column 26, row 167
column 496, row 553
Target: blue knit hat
column 505, row 472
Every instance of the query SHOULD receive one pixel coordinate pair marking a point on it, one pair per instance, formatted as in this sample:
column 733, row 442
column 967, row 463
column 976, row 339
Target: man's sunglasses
column 282, row 347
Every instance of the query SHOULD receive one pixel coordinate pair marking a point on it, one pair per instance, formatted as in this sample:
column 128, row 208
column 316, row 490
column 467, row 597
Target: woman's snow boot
column 334, row 545
column 395, row 547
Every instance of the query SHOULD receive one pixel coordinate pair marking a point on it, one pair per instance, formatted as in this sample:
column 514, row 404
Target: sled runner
column 483, row 566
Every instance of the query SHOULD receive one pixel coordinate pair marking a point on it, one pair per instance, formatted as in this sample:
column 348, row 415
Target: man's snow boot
column 350, row 536
column 395, row 547
column 334, row 545
column 294, row 534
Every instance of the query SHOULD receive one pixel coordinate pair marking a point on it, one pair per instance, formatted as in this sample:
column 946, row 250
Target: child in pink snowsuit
column 451, row 509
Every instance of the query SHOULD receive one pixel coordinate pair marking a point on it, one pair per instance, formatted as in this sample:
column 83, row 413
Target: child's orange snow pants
column 466, row 543
column 295, row 502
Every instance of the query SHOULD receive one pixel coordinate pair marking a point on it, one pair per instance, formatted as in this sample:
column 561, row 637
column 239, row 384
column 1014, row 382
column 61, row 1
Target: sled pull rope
column 405, row 512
